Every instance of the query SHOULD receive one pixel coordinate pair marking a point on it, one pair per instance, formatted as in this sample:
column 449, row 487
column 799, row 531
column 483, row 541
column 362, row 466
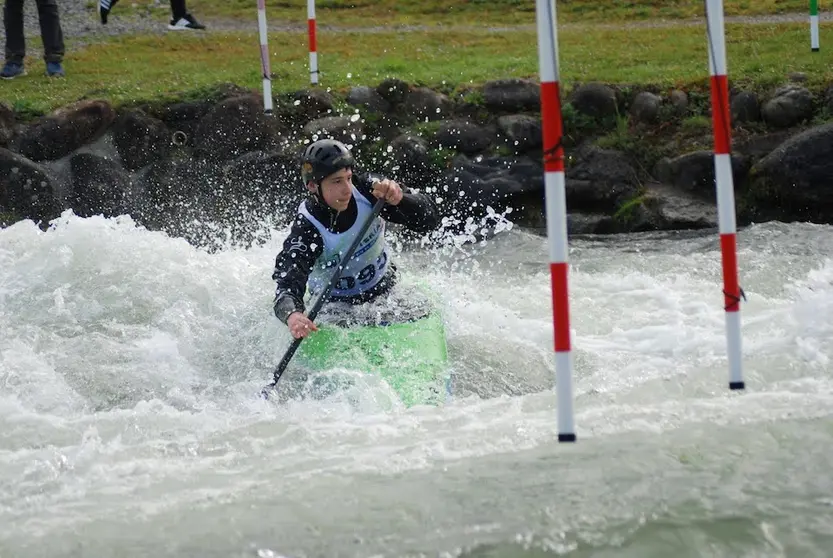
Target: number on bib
column 366, row 274
column 345, row 283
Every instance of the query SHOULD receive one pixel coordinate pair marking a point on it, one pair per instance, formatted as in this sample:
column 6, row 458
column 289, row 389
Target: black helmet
column 324, row 157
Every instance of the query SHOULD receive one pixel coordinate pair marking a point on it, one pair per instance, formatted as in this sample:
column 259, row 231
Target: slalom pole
column 313, row 43
column 732, row 292
column 556, row 212
column 264, row 56
column 814, row 25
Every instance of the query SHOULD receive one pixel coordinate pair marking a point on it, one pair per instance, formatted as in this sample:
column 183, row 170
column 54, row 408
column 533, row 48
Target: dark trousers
column 50, row 31
column 178, row 10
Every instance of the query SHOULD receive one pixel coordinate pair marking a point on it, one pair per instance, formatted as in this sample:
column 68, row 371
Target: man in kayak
column 328, row 220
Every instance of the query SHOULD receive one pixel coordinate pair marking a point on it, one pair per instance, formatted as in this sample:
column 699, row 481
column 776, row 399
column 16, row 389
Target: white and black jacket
column 304, row 245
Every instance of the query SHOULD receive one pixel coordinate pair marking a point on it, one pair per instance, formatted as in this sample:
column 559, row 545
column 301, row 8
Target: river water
column 130, row 424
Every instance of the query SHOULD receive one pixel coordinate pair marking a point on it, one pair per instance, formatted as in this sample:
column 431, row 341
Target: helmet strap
column 318, row 195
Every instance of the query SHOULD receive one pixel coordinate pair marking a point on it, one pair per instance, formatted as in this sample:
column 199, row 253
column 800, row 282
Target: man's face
column 336, row 189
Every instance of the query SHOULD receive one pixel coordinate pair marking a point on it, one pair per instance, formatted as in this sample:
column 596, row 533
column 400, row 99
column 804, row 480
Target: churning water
column 130, row 425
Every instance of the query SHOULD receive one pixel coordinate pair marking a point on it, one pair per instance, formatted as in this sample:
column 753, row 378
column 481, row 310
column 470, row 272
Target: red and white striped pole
column 556, row 208
column 264, row 56
column 725, row 187
column 313, row 43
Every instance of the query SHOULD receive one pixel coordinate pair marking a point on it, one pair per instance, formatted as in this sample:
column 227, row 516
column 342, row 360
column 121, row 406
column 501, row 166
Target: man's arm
column 293, row 266
column 416, row 211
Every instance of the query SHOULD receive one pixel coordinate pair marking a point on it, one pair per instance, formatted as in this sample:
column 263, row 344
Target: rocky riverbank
column 217, row 169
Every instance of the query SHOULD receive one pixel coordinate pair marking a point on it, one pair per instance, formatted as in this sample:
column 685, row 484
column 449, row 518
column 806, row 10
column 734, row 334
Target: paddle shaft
column 319, row 303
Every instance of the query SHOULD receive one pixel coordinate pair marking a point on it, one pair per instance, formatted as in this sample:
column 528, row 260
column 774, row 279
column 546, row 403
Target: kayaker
column 327, row 221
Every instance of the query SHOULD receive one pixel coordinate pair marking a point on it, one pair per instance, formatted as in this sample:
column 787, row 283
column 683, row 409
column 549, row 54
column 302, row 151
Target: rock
column 426, row 104
column 313, row 103
column 369, row 98
column 463, row 137
column 789, row 106
column 262, row 184
column 99, row 186
column 795, row 177
column 694, row 172
column 7, row 124
column 583, row 223
column 393, row 90
column 140, row 139
column 65, row 130
column 468, row 195
column 512, row 95
column 745, row 107
column 26, row 188
column 341, row 128
column 232, row 172
column 679, row 100
column 678, row 209
column 758, row 146
column 645, row 107
column 523, row 132
column 526, row 176
column 184, row 118
column 385, row 128
column 828, row 99
column 595, row 100
column 409, row 160
column 600, row 179
column 233, row 127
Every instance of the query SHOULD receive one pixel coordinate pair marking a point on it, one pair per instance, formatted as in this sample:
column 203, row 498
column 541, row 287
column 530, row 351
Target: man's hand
column 299, row 325
column 388, row 190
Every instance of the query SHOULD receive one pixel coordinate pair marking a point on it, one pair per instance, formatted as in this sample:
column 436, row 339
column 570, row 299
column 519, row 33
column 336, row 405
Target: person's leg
column 178, row 10
column 13, row 23
column 50, row 31
column 104, row 7
column 181, row 19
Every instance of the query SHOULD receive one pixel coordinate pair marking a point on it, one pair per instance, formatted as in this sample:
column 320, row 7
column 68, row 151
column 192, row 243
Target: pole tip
column 737, row 385
column 815, row 49
column 566, row 437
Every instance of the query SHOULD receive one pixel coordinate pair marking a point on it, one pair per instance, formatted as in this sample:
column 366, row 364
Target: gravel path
column 79, row 20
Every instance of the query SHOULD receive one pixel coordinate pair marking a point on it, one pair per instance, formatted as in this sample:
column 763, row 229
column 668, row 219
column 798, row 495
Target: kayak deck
column 410, row 356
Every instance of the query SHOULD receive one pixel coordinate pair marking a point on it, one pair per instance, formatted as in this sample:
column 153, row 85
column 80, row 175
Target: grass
column 476, row 12
column 130, row 69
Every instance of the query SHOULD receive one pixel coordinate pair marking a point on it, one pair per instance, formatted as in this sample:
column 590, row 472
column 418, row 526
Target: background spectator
column 180, row 18
column 50, row 32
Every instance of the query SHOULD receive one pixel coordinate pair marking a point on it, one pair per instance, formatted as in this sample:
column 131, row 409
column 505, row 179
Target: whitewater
column 130, row 422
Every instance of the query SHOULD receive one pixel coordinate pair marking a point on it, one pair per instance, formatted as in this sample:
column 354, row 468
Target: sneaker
column 104, row 7
column 54, row 69
column 186, row 22
column 11, row 70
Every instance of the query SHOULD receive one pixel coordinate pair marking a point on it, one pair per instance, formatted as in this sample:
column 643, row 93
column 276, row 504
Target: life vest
column 369, row 262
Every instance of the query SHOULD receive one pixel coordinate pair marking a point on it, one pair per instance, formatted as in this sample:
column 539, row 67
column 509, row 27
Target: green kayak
column 407, row 349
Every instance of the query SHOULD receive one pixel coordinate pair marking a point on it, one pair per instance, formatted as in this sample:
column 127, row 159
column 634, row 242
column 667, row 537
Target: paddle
column 322, row 298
